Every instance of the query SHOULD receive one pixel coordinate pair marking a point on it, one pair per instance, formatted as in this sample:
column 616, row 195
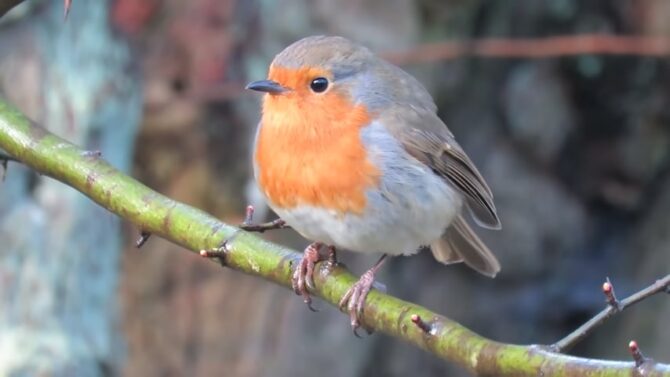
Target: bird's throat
column 306, row 156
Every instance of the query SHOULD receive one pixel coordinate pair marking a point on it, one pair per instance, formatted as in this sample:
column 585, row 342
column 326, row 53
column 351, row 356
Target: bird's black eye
column 319, row 84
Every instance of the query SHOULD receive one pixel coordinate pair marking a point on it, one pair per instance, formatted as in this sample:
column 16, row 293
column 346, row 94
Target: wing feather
column 447, row 159
column 461, row 244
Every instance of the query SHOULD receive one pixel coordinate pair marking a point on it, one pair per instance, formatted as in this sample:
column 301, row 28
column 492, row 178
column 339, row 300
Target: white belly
column 411, row 208
column 401, row 225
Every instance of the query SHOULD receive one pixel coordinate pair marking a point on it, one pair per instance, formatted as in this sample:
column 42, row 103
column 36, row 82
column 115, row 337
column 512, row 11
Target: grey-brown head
column 325, row 63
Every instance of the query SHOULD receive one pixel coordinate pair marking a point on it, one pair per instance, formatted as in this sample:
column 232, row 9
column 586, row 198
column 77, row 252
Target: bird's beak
column 267, row 86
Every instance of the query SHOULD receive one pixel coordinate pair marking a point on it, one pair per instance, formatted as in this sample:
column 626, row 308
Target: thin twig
column 249, row 226
column 262, row 227
column 638, row 357
column 494, row 48
column 6, row 157
column 421, row 324
column 144, row 237
column 613, row 307
column 534, row 48
column 66, row 8
column 610, row 296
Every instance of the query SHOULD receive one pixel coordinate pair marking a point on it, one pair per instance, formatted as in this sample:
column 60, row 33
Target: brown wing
column 446, row 158
column 460, row 243
column 413, row 120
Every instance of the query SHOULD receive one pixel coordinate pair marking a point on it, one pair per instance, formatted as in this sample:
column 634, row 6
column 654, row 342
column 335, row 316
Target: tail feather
column 460, row 243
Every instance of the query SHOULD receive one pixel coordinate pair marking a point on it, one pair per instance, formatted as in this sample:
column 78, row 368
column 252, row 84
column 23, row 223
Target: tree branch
column 614, row 306
column 534, row 48
column 196, row 230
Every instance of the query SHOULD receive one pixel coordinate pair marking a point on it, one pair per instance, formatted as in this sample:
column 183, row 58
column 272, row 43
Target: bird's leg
column 354, row 299
column 249, row 226
column 303, row 276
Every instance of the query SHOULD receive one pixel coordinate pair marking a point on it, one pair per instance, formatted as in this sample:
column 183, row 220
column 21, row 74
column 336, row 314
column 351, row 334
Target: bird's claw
column 303, row 276
column 354, row 299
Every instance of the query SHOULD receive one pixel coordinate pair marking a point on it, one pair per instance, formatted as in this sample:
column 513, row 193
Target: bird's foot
column 354, row 299
column 303, row 276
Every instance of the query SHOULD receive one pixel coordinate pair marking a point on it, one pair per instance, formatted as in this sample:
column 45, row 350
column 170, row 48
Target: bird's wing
column 461, row 244
column 427, row 138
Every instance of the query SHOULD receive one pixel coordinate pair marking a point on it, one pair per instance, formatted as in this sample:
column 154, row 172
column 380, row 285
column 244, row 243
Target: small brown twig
column 4, row 159
column 262, row 227
column 614, row 306
column 421, row 324
column 534, row 48
column 93, row 153
column 66, row 8
column 638, row 357
column 494, row 48
column 332, row 257
column 144, row 237
column 610, row 296
column 218, row 253
column 214, row 253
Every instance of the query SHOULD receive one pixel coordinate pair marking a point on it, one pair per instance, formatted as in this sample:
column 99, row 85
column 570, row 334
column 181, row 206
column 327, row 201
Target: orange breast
column 309, row 151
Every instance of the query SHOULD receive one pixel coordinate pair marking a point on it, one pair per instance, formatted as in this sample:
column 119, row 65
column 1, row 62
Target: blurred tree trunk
column 59, row 252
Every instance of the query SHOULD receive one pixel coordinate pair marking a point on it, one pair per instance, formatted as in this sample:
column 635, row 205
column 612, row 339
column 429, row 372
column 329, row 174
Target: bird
column 350, row 152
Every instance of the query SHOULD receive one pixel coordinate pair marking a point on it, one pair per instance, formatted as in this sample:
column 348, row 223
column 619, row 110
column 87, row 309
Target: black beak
column 267, row 86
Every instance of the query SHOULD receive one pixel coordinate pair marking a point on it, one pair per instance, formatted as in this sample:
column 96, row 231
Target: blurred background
column 574, row 146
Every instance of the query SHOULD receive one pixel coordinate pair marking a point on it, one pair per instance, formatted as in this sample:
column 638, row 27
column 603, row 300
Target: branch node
column 610, row 296
column 427, row 328
column 66, row 9
column 214, row 253
column 4, row 159
column 3, row 163
column 144, row 237
column 249, row 226
column 638, row 357
column 248, row 215
column 614, row 306
column 332, row 258
column 218, row 253
column 94, row 153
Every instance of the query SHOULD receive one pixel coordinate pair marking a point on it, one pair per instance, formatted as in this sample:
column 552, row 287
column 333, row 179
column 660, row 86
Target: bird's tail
column 460, row 243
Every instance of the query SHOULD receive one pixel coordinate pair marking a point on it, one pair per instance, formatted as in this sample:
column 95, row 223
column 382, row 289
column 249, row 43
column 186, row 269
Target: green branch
column 196, row 230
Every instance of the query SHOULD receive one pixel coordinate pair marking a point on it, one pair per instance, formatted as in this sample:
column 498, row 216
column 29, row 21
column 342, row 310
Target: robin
column 351, row 154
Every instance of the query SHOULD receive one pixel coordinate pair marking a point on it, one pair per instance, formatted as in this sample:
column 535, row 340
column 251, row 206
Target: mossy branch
column 196, row 230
